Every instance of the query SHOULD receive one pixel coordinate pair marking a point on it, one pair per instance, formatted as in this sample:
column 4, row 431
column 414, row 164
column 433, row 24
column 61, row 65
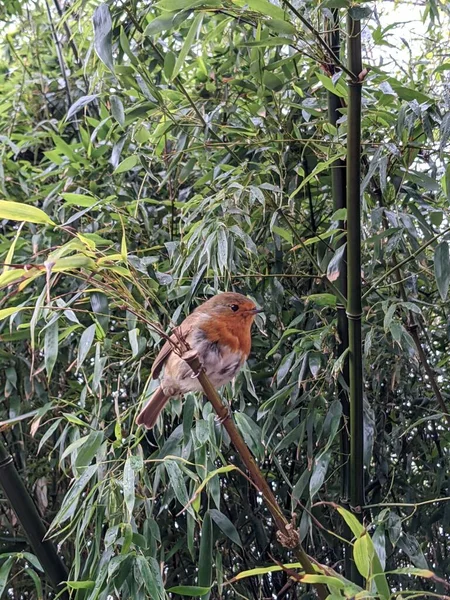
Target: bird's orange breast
column 233, row 332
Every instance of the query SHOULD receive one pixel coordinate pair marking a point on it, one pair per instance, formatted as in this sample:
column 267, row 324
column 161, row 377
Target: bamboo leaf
column 89, row 449
column 192, row 34
column 222, row 249
column 4, row 573
column 336, row 263
column 206, row 555
column 73, row 496
column 363, row 555
column 355, row 526
column 117, row 109
column 264, row 7
column 79, row 200
column 319, row 472
column 103, row 35
column 177, row 482
column 165, row 22
column 80, row 103
column 442, row 269
column 85, row 344
column 127, row 164
column 51, row 347
column 12, row 310
column 17, row 211
column 128, row 486
column 192, row 591
column 225, row 525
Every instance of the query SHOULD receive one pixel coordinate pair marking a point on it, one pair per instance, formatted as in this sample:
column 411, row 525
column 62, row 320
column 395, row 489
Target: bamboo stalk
column 30, row 520
column 339, row 191
column 354, row 304
column 287, row 534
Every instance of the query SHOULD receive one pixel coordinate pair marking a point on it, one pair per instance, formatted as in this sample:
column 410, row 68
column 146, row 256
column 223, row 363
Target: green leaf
column 363, row 555
column 355, row 526
column 192, row 34
column 80, row 103
column 408, row 94
column 7, row 312
column 333, row 582
column 80, row 585
column 262, row 6
column 169, row 64
column 17, row 211
column 193, row 591
column 251, row 433
column 177, row 482
column 117, row 110
column 126, row 165
column 4, row 573
column 442, row 269
column 301, row 484
column 165, row 22
column 51, row 347
column 103, row 35
column 75, row 262
column 319, row 168
column 286, row 235
column 206, row 555
column 85, row 344
column 33, row 560
column 409, row 544
column 359, row 12
column 128, row 486
column 225, row 525
column 319, row 472
column 281, row 26
column 36, row 580
column 222, row 249
column 336, row 263
column 321, row 299
column 89, row 449
column 338, row 90
column 79, row 200
column 73, row 496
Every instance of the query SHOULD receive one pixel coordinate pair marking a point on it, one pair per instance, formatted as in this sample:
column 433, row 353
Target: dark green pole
column 30, row 520
column 339, row 192
column 354, row 307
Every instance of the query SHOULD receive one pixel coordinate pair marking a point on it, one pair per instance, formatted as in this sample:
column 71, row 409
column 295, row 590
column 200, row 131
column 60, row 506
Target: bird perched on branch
column 219, row 331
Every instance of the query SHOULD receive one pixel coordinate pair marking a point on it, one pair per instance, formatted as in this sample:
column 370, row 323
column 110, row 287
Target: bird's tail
column 150, row 413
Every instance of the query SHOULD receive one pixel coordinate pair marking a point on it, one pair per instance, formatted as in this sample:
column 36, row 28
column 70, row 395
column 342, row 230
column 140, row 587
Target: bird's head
column 230, row 305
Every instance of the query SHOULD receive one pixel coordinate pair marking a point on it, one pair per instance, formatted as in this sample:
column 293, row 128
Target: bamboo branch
column 331, row 55
column 406, row 260
column 287, row 535
column 413, row 327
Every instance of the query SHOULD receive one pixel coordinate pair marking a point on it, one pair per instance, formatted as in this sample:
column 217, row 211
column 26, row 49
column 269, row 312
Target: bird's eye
column 234, row 307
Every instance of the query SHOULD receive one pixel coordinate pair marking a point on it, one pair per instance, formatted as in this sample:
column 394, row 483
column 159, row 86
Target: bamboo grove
column 153, row 154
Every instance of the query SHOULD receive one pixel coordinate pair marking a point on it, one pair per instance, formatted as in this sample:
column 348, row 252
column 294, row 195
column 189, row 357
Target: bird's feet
column 226, row 414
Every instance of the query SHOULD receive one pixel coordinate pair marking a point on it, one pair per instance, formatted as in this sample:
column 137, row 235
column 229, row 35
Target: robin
column 219, row 330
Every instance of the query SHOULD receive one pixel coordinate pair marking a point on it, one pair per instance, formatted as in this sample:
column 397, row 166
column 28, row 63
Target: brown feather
column 150, row 413
column 184, row 329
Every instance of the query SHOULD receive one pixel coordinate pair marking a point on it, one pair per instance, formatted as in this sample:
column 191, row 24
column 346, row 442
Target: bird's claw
column 197, row 375
column 227, row 415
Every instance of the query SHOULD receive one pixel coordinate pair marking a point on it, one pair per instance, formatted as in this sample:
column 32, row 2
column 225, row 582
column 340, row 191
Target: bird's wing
column 184, row 329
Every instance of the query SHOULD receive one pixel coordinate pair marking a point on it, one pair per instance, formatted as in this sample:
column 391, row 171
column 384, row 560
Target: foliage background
column 193, row 137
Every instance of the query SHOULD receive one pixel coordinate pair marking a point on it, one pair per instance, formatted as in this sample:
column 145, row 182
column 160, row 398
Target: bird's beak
column 255, row 311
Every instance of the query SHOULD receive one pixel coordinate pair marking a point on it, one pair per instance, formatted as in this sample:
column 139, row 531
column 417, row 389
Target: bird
column 219, row 330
